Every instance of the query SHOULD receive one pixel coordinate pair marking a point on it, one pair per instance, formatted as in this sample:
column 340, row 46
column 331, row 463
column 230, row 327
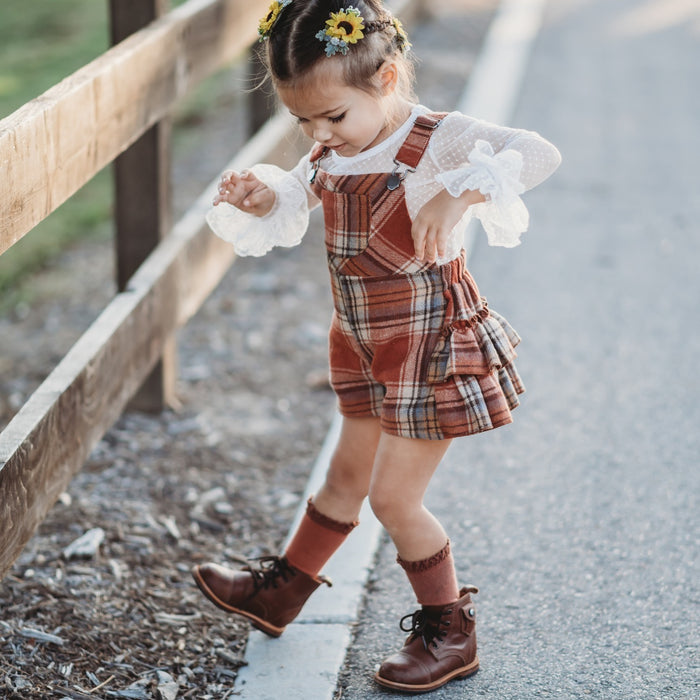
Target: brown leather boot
column 270, row 596
column 441, row 646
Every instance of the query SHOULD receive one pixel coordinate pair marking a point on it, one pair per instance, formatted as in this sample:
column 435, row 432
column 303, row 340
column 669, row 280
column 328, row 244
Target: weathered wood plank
column 53, row 145
column 48, row 441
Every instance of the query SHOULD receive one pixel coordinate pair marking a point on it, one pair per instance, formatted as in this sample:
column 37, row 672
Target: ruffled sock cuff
column 417, row 567
column 329, row 523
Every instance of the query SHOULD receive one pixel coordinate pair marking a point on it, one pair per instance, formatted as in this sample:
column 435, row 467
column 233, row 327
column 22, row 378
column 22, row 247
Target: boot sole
column 463, row 672
column 257, row 622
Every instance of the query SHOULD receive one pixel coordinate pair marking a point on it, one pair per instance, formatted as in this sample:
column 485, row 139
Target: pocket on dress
column 348, row 222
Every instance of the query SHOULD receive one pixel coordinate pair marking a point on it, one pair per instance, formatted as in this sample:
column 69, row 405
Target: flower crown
column 343, row 29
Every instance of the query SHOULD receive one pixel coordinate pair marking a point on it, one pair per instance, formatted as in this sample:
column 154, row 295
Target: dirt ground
column 219, row 478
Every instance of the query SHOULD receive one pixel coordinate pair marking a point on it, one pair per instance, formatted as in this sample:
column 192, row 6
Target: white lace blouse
column 464, row 154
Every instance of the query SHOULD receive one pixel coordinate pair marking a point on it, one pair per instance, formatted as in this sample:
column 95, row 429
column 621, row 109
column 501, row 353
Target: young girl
column 416, row 356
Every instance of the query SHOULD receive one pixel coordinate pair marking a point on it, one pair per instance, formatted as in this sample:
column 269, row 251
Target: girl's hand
column 245, row 192
column 436, row 219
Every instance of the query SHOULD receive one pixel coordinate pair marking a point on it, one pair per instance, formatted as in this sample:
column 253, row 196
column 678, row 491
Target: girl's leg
column 442, row 643
column 350, row 470
column 332, row 513
column 402, row 471
column 272, row 596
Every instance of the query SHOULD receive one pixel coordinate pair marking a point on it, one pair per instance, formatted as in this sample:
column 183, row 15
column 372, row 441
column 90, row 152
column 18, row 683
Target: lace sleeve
column 501, row 163
column 285, row 225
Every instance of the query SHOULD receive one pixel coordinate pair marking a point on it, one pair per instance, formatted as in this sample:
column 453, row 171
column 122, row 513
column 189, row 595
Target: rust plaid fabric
column 411, row 342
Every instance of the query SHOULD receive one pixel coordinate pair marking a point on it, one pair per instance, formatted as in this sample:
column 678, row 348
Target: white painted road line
column 494, row 84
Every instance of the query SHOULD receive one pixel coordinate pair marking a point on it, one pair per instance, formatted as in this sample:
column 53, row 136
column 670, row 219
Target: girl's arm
column 486, row 167
column 511, row 157
column 436, row 219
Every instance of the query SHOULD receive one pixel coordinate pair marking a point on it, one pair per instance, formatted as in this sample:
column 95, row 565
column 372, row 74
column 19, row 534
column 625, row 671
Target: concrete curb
column 319, row 637
column 304, row 663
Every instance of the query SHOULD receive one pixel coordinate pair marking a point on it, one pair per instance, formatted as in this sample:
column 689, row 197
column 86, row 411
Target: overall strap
column 410, row 153
column 317, row 153
column 417, row 141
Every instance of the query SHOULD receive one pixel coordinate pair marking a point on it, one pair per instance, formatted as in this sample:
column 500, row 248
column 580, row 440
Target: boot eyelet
column 472, row 612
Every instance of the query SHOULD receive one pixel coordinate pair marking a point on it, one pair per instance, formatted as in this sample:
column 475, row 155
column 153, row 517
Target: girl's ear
column 388, row 77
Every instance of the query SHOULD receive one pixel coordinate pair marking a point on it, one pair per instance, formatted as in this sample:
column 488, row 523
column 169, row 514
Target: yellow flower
column 346, row 25
column 267, row 22
column 401, row 36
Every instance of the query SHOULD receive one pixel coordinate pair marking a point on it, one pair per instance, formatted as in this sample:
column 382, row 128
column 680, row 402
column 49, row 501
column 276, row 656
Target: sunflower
column 346, row 25
column 267, row 22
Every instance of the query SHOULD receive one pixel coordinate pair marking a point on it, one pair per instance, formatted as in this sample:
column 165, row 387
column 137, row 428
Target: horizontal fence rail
column 53, row 145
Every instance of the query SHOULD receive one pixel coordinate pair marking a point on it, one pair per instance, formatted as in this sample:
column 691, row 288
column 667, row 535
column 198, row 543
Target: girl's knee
column 346, row 478
column 390, row 507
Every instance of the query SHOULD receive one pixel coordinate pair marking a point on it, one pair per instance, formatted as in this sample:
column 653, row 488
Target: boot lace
column 431, row 628
column 269, row 571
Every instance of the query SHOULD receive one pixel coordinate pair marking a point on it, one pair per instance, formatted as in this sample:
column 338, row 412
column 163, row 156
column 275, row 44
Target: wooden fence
column 116, row 109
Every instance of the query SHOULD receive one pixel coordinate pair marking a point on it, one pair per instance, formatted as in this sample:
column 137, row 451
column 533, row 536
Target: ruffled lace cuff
column 497, row 176
column 285, row 225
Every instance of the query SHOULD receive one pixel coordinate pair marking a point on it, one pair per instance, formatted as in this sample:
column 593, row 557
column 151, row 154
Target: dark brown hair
column 293, row 51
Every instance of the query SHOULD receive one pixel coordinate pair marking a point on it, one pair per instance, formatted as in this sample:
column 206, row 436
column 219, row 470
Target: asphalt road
column 580, row 521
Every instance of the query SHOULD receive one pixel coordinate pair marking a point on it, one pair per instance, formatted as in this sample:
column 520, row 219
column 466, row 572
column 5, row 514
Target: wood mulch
column 219, row 479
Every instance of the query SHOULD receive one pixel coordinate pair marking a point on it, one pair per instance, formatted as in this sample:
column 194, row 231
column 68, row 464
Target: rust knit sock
column 434, row 580
column 316, row 540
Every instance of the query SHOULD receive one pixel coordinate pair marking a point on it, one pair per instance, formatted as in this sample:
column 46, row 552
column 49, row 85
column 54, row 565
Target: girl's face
column 343, row 118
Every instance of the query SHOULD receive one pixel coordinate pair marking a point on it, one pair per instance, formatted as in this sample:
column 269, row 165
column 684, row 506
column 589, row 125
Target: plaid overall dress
column 411, row 342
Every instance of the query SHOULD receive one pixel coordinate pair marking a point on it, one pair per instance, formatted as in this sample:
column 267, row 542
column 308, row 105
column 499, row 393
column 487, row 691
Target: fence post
column 260, row 99
column 143, row 201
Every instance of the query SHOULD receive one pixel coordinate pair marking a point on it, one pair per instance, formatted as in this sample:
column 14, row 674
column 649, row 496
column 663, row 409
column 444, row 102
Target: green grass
column 43, row 42
column 40, row 44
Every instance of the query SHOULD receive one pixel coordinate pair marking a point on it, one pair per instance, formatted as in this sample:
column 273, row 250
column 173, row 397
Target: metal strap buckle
column 316, row 166
column 396, row 178
column 428, row 123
